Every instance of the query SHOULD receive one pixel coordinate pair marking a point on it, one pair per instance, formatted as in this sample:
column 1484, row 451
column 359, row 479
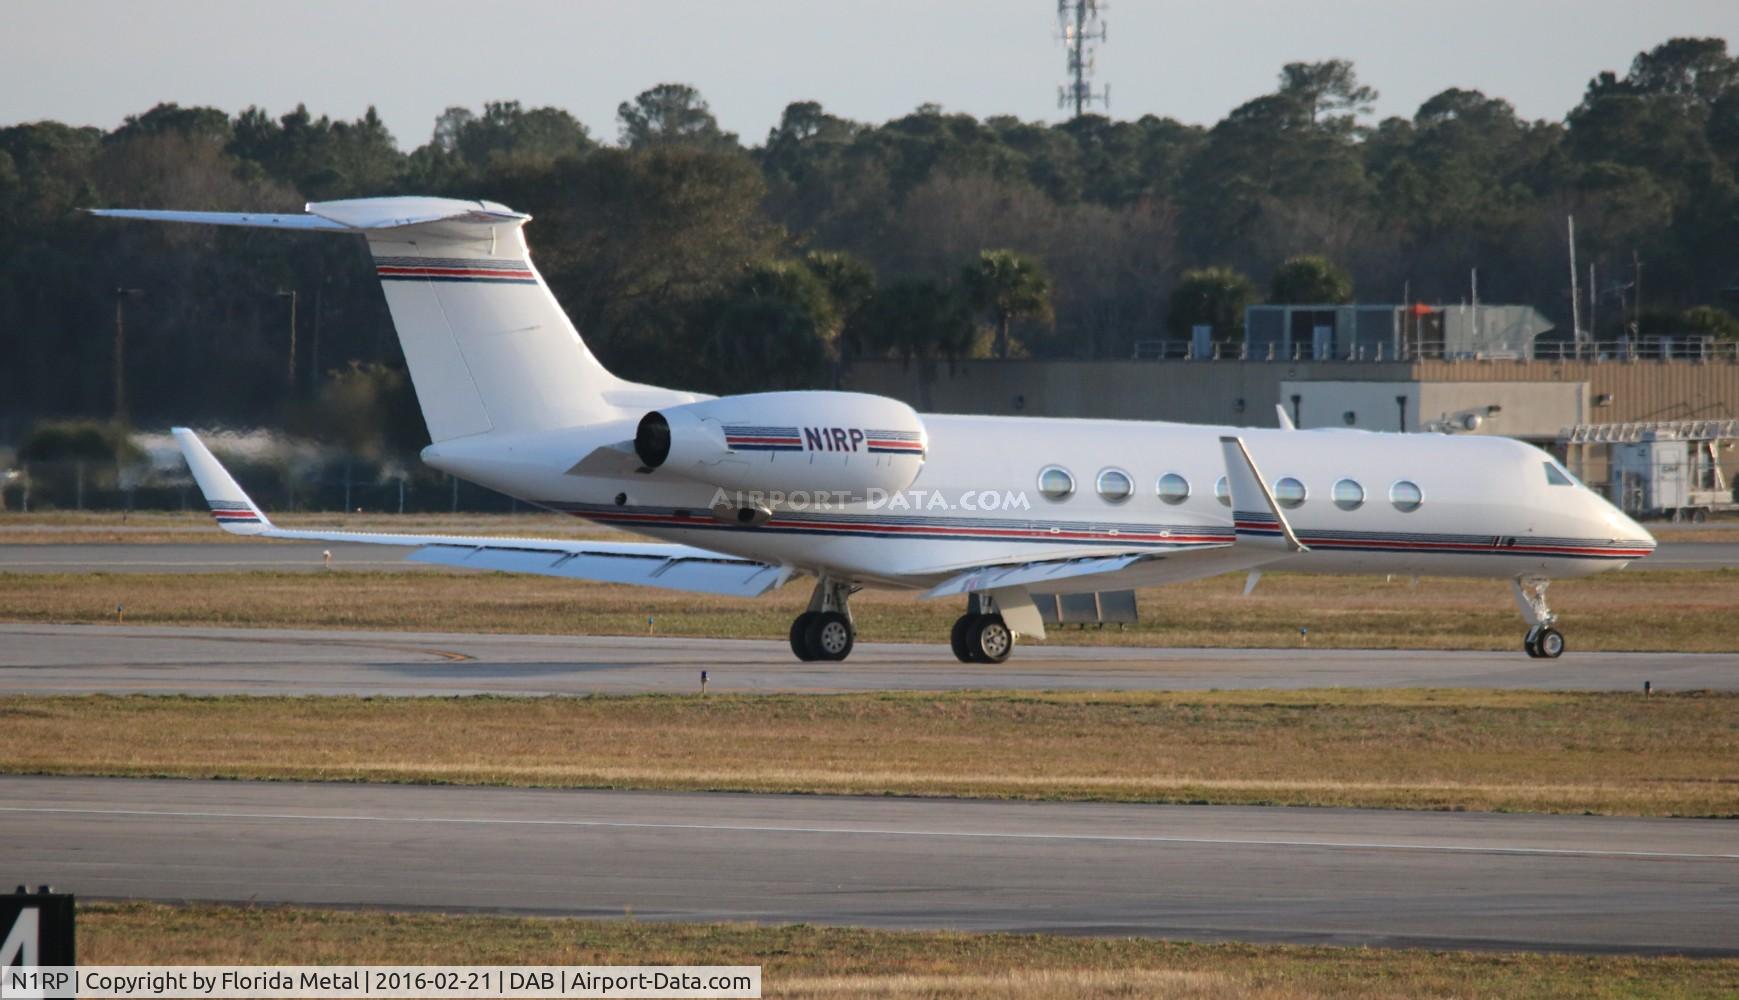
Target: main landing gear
column 981, row 635
column 1542, row 641
column 825, row 631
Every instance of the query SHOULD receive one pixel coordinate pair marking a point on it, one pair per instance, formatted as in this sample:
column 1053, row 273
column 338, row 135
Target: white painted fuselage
column 1487, row 506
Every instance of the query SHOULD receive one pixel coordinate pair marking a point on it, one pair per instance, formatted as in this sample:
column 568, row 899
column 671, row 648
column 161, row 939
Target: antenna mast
column 1079, row 22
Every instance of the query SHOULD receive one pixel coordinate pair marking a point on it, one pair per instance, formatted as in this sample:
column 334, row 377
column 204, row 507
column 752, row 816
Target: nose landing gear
column 1542, row 641
column 825, row 631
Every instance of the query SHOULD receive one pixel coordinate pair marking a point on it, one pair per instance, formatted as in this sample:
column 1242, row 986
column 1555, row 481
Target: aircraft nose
column 1623, row 528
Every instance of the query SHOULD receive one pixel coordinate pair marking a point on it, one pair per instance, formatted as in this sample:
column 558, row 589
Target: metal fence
column 1692, row 349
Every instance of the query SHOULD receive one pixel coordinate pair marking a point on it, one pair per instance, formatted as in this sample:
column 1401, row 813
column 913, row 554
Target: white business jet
column 861, row 491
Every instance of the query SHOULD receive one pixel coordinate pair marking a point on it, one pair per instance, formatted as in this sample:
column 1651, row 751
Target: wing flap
column 678, row 568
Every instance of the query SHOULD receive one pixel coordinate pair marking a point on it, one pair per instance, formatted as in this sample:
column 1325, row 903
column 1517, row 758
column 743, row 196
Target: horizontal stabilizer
column 448, row 218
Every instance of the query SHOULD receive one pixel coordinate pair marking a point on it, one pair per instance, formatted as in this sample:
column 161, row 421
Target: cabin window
column 1406, row 496
column 1348, row 495
column 1557, row 476
column 1289, row 492
column 1173, row 488
column 1223, row 492
column 1115, row 485
column 1055, row 483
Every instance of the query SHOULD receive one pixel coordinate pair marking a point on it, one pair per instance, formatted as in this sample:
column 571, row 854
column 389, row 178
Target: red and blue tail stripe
column 894, row 442
column 478, row 269
column 753, row 438
column 233, row 512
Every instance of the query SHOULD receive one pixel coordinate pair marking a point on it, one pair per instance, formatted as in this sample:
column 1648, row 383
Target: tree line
column 691, row 258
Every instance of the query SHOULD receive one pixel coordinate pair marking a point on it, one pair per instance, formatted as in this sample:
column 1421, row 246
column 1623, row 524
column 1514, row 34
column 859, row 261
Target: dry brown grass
column 196, row 527
column 822, row 962
column 1475, row 750
column 1677, row 611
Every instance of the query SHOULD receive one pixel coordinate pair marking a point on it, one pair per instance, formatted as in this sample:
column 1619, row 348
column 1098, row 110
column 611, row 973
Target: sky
column 92, row 63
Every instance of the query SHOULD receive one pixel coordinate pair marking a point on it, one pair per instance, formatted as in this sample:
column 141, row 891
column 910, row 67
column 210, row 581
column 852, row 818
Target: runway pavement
column 44, row 659
column 1296, row 875
column 185, row 557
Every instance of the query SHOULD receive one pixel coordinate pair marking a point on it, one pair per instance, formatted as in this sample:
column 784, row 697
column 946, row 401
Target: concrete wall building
column 1535, row 400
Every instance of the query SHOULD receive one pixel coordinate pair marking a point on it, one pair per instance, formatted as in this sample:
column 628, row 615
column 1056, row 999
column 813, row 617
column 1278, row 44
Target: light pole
column 121, row 296
column 291, row 367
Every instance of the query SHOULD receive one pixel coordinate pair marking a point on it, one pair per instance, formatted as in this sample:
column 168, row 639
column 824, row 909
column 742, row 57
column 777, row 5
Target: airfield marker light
column 649, row 620
column 326, row 557
column 1304, row 635
column 120, row 612
column 703, row 682
column 1647, row 688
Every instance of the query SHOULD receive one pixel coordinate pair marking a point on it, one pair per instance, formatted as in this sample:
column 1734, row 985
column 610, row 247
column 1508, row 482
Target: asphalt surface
column 1295, row 875
column 194, row 557
column 46, row 659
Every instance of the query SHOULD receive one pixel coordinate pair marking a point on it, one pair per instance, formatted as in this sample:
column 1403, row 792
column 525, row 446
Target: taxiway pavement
column 1323, row 876
column 76, row 659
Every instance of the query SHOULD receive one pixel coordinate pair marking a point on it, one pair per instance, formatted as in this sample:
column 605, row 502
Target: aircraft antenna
column 1081, row 31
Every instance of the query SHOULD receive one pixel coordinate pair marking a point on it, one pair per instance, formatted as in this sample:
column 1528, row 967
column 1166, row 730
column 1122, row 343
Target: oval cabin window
column 1349, row 495
column 1289, row 492
column 1406, row 496
column 1173, row 488
column 1055, row 483
column 1115, row 485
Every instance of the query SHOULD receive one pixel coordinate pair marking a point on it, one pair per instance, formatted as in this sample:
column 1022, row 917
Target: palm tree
column 1005, row 286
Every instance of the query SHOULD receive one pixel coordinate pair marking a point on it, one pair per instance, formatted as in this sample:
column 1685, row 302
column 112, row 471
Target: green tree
column 1329, row 91
column 920, row 321
column 1710, row 321
column 1211, row 296
column 850, row 284
column 1005, row 287
column 774, row 331
column 670, row 114
column 1310, row 280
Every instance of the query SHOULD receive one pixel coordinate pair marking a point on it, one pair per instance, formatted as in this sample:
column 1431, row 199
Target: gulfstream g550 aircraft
column 860, row 491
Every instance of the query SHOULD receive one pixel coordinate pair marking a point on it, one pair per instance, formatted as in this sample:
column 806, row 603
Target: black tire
column 800, row 636
column 1700, row 516
column 958, row 637
column 1529, row 645
column 1550, row 643
column 829, row 636
column 990, row 639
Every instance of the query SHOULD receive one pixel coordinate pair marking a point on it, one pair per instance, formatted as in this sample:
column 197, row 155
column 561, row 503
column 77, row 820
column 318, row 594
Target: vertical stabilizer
column 488, row 346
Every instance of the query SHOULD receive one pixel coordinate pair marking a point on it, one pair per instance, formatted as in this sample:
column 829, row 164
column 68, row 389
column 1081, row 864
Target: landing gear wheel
column 958, row 638
column 989, row 639
column 1549, row 644
column 799, row 636
column 829, row 636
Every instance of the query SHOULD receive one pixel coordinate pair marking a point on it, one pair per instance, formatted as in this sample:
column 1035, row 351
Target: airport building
column 1580, row 402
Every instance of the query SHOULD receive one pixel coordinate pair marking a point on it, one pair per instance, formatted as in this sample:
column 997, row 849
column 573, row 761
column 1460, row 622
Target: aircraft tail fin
column 488, row 346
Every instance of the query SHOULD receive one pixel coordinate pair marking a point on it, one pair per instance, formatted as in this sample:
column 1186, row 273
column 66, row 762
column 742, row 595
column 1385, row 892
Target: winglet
column 1256, row 517
column 235, row 513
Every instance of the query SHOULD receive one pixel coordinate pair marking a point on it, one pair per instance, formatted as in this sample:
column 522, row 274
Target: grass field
column 807, row 961
column 1473, row 750
column 1678, row 611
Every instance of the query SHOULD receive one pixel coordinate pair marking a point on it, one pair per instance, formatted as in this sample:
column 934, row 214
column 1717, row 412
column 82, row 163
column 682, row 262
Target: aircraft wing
column 650, row 564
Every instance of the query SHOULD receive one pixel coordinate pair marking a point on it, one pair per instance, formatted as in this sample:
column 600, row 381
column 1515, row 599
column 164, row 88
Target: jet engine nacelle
column 839, row 445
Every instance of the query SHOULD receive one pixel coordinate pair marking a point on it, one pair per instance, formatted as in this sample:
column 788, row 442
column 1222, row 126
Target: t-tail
column 488, row 347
